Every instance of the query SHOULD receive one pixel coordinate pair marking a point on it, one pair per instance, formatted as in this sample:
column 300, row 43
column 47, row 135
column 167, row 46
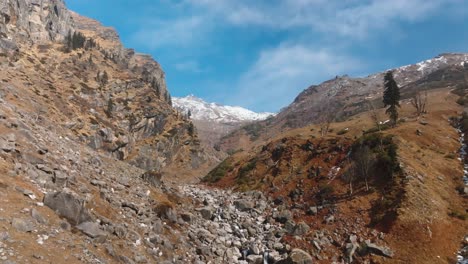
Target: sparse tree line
column 77, row 40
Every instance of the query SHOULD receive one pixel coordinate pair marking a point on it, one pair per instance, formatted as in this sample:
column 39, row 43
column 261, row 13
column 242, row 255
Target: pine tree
column 391, row 97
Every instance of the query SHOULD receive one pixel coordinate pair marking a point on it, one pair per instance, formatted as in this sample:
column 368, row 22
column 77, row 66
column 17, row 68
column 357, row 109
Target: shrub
column 219, row 172
column 342, row 131
column 253, row 130
column 246, row 169
column 326, row 191
column 458, row 214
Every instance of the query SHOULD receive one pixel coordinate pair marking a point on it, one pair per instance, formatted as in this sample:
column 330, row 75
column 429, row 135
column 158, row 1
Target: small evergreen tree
column 110, row 108
column 391, row 97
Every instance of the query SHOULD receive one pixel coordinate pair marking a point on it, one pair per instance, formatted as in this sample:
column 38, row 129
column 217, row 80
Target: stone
column 187, row 217
column 330, row 219
column 383, row 251
column 69, row 206
column 154, row 178
column 8, row 143
column 313, row 210
column 243, row 205
column 23, row 225
column 91, row 229
column 120, row 231
column 38, row 216
column 301, row 229
column 289, row 226
column 60, row 179
column 297, row 256
column 283, row 216
column 65, row 225
column 255, row 259
column 207, row 212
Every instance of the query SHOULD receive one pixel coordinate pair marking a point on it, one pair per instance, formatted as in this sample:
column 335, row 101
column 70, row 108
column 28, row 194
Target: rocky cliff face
column 112, row 98
column 34, row 20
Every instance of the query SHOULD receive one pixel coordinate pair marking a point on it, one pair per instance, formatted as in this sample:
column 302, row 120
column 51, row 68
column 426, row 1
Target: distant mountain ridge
column 345, row 96
column 214, row 121
column 204, row 111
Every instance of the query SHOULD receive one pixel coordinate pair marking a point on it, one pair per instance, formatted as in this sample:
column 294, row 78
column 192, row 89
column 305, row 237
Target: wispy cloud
column 277, row 74
column 280, row 73
column 175, row 33
column 189, row 66
column 344, row 18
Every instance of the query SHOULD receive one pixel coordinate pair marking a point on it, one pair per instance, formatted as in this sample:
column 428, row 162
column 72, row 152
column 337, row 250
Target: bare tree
column 326, row 117
column 363, row 163
column 419, row 101
column 350, row 174
column 374, row 114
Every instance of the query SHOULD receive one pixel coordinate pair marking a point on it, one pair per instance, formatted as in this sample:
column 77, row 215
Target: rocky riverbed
column 238, row 228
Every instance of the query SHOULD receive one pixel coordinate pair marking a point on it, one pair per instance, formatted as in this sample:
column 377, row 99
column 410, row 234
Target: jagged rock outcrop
column 35, row 21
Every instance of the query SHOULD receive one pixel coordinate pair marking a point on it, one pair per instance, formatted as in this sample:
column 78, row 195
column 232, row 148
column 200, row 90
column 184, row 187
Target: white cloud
column 181, row 32
column 280, row 73
column 344, row 18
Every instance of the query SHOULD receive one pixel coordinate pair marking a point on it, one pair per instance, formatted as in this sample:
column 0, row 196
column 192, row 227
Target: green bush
column 253, row 130
column 241, row 175
column 219, row 172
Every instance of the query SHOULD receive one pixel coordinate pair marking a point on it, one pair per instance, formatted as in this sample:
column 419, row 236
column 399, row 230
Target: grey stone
column 187, row 217
column 255, row 259
column 60, row 179
column 91, row 229
column 207, row 212
column 297, row 256
column 383, row 251
column 243, row 205
column 23, row 225
column 282, row 216
column 153, row 178
column 301, row 229
column 313, row 210
column 120, row 231
column 38, row 216
column 69, row 206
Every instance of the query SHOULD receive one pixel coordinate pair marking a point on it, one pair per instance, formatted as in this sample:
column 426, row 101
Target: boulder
column 383, row 251
column 23, row 225
column 153, row 178
column 207, row 212
column 69, row 206
column 91, row 229
column 297, row 256
column 38, row 216
column 301, row 229
column 243, row 205
column 283, row 216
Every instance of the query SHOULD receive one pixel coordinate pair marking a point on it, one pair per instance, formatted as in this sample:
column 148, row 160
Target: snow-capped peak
column 201, row 110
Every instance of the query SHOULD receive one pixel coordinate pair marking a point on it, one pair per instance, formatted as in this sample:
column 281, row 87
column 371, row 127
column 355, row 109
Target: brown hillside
column 423, row 231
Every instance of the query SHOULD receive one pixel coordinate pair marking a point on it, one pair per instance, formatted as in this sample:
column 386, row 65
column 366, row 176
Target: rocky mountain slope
column 94, row 163
column 344, row 96
column 418, row 215
column 212, row 120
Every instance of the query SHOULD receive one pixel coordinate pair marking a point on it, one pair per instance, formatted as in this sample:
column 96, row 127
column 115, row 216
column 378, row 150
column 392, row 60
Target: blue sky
column 261, row 53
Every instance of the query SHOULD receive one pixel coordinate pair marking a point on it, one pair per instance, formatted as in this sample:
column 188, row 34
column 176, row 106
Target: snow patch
column 201, row 110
